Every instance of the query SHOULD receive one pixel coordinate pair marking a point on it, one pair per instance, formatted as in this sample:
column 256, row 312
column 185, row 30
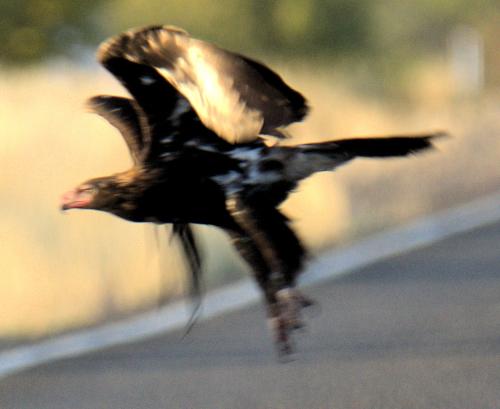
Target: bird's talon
column 306, row 302
column 290, row 303
column 285, row 353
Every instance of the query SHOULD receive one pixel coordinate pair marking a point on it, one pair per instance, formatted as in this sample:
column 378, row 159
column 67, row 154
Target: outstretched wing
column 171, row 121
column 156, row 97
column 234, row 96
column 126, row 116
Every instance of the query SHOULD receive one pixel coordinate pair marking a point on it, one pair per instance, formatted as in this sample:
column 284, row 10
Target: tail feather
column 375, row 147
column 325, row 156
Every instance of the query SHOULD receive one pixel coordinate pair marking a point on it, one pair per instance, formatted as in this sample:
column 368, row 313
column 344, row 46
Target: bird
column 196, row 123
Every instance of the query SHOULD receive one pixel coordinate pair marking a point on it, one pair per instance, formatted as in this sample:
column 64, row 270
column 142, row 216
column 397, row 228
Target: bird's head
column 97, row 194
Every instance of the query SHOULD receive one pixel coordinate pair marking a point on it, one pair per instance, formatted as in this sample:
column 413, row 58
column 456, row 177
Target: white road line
column 337, row 262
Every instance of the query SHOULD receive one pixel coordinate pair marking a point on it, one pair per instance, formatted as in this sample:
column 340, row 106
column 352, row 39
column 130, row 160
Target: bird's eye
column 90, row 190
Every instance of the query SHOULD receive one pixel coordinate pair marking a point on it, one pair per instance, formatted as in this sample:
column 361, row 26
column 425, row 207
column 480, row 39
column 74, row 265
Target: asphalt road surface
column 419, row 330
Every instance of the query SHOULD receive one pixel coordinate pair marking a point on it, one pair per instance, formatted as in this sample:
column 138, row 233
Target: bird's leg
column 274, row 272
column 290, row 306
column 251, row 254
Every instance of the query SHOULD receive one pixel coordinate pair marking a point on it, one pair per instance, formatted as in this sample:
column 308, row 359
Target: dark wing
column 234, row 96
column 152, row 92
column 172, row 122
column 126, row 116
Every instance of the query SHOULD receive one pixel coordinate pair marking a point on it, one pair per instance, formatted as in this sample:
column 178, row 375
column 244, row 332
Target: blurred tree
column 228, row 22
column 288, row 27
column 307, row 27
column 411, row 26
column 33, row 29
column 390, row 34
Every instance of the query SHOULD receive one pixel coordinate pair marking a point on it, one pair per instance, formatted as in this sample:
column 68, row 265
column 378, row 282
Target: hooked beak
column 75, row 199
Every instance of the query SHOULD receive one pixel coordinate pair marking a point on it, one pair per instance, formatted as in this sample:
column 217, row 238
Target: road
column 418, row 330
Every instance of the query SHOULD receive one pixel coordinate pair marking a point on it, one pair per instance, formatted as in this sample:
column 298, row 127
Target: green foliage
column 33, row 29
column 287, row 27
column 366, row 29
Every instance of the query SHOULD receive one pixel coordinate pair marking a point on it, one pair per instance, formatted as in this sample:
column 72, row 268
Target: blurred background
column 366, row 66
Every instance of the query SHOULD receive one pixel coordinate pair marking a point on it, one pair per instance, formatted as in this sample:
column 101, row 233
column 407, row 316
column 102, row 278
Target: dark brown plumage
column 193, row 126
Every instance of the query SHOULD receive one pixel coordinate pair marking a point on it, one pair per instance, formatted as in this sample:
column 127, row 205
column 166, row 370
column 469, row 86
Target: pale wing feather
column 234, row 96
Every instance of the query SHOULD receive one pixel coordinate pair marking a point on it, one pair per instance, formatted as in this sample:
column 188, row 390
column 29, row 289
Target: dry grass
column 61, row 271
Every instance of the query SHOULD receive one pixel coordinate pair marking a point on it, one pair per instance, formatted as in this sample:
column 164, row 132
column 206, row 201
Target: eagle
column 196, row 124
